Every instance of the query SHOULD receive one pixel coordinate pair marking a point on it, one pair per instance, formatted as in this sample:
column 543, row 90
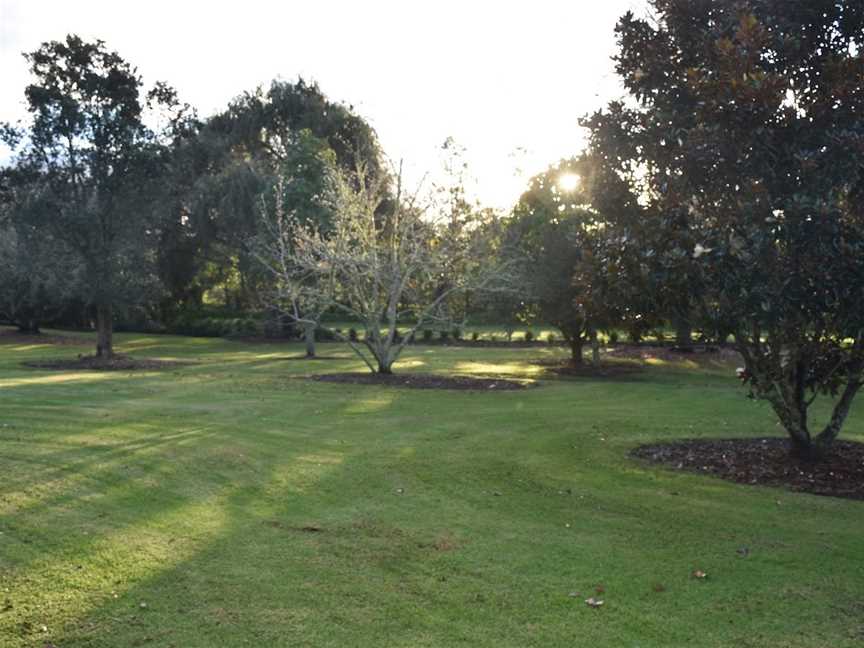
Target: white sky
column 507, row 80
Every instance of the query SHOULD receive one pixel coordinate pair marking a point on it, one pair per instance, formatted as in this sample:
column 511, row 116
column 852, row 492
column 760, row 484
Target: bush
column 457, row 333
column 444, row 336
column 475, row 336
column 550, row 338
column 352, row 334
column 529, row 335
column 428, row 334
column 397, row 336
column 324, row 335
column 613, row 337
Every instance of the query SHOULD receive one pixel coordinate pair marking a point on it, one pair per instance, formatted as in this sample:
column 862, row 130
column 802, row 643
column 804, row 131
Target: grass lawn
column 231, row 503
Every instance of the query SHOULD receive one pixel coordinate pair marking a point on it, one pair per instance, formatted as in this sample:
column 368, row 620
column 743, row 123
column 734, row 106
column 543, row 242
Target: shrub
column 475, row 336
column 529, row 335
column 444, row 336
column 324, row 335
column 457, row 333
column 352, row 334
column 550, row 338
column 428, row 334
column 613, row 337
column 397, row 336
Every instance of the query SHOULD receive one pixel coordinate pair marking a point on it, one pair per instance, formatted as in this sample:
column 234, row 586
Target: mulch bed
column 588, row 370
column 314, row 359
column 672, row 354
column 766, row 462
column 422, row 381
column 117, row 363
column 11, row 336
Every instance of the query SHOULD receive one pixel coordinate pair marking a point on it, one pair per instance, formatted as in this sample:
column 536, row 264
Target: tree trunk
column 838, row 417
column 576, row 345
column 683, row 335
column 104, row 331
column 29, row 326
column 595, row 349
column 309, row 337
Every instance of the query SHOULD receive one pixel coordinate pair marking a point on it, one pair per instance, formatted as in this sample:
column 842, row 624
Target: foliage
column 747, row 133
column 93, row 167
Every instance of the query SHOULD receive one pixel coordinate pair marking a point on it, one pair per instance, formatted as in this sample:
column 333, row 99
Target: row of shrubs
column 429, row 336
column 211, row 326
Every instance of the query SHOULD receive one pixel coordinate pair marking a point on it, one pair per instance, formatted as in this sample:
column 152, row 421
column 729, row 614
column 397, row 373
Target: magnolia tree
column 747, row 126
column 384, row 260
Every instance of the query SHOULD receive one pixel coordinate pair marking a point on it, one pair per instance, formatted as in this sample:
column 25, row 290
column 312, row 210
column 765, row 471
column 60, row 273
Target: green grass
column 446, row 518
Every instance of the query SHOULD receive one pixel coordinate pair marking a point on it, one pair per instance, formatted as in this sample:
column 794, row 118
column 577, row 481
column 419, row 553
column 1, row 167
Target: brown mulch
column 12, row 336
column 766, row 462
column 588, row 370
column 672, row 354
column 422, row 381
column 116, row 363
column 313, row 359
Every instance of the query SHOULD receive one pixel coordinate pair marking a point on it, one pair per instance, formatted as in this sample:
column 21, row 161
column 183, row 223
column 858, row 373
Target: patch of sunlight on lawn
column 368, row 405
column 410, row 364
column 498, row 368
column 120, row 559
column 304, row 472
column 57, row 378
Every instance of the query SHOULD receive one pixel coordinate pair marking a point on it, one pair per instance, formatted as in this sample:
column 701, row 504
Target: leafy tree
column 287, row 130
column 37, row 272
column 95, row 166
column 746, row 127
column 560, row 238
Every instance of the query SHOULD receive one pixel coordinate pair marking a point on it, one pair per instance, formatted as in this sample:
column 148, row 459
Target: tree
column 382, row 261
column 95, row 166
column 759, row 109
column 224, row 165
column 37, row 275
column 561, row 240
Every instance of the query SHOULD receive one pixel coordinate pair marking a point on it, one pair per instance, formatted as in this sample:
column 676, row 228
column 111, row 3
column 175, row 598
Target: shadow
column 243, row 508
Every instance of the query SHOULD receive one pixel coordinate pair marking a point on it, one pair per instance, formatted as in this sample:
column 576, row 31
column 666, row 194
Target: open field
column 231, row 503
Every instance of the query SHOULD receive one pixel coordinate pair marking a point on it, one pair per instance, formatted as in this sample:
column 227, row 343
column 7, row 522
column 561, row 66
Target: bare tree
column 384, row 260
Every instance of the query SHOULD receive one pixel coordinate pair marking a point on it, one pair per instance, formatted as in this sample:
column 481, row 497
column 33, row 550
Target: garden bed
column 422, row 381
column 766, row 462
column 605, row 370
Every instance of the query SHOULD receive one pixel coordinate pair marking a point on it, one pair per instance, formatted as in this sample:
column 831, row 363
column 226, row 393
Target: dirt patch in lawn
column 766, row 462
column 116, row 363
column 605, row 370
column 422, row 381
column 11, row 336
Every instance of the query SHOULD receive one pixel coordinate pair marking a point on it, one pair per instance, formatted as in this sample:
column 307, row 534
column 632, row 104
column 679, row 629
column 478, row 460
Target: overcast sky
column 506, row 80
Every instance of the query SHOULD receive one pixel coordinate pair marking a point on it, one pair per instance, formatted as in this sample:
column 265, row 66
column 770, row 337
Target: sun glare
column 568, row 182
